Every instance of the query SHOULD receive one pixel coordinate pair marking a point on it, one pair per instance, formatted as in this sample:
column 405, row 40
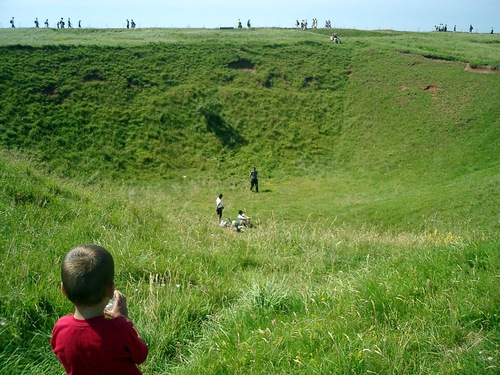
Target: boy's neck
column 89, row 312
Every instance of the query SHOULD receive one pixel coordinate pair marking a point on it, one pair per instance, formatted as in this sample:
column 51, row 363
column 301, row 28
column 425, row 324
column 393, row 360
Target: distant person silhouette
column 12, row 23
column 36, row 23
column 128, row 24
column 47, row 22
column 254, row 181
column 470, row 28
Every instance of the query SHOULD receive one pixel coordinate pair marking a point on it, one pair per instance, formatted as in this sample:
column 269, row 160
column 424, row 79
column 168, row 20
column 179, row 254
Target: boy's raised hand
column 119, row 308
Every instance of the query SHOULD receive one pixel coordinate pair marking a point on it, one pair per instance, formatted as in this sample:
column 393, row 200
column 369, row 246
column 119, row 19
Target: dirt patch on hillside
column 481, row 69
column 243, row 65
column 432, row 89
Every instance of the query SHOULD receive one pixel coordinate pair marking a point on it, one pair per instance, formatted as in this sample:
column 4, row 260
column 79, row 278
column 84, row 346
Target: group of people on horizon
column 240, row 25
column 303, row 24
column 444, row 28
column 61, row 24
column 130, row 24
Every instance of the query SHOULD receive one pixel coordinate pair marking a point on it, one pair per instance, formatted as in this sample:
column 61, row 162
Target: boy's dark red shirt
column 98, row 346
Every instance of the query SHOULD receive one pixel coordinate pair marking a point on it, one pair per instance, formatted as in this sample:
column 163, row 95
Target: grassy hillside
column 207, row 100
column 376, row 241
column 393, row 114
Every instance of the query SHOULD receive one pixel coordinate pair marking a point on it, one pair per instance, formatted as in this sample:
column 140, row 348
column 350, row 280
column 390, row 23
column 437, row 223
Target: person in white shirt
column 243, row 219
column 219, row 207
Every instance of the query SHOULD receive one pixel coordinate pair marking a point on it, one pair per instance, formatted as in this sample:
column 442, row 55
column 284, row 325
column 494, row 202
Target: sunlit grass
column 298, row 296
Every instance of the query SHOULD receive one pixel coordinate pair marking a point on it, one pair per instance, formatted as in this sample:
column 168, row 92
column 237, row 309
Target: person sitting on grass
column 335, row 39
column 87, row 342
column 243, row 219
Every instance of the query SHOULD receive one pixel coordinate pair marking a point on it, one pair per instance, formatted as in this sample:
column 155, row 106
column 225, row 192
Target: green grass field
column 376, row 239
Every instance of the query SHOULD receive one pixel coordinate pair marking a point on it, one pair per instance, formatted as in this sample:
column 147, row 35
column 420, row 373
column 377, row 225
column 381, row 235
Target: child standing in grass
column 219, row 206
column 87, row 342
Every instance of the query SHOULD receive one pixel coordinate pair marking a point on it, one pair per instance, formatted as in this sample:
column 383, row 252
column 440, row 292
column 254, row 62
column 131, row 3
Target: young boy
column 87, row 342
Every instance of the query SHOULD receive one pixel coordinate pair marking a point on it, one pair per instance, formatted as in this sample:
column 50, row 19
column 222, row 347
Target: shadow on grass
column 227, row 135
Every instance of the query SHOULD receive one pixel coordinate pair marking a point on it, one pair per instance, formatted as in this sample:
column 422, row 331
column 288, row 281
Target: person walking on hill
column 254, row 181
column 12, row 23
column 219, row 206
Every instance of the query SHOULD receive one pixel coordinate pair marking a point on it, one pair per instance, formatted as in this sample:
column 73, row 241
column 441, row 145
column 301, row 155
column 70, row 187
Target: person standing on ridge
column 254, row 181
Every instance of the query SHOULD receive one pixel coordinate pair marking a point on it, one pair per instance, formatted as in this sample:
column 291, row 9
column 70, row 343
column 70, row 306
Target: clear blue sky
column 405, row 15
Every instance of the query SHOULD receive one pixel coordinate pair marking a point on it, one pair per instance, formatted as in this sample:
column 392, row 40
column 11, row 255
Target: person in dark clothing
column 254, row 181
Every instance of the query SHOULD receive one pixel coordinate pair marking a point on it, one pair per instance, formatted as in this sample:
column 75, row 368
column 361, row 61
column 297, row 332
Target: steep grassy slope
column 392, row 117
column 210, row 102
column 141, row 108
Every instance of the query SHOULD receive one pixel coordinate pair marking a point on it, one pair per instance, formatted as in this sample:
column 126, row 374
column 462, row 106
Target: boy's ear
column 63, row 291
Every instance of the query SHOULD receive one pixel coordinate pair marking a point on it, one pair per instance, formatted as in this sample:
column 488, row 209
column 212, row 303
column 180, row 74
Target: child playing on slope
column 87, row 342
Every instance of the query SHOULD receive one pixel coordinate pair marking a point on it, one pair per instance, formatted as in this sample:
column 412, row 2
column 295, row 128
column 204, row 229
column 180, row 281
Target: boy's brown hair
column 87, row 271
